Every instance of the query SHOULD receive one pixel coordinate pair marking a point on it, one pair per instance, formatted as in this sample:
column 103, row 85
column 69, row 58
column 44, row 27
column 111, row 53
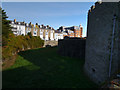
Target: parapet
column 98, row 3
column 94, row 6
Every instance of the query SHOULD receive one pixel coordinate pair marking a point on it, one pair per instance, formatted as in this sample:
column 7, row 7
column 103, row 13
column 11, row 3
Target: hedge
column 19, row 43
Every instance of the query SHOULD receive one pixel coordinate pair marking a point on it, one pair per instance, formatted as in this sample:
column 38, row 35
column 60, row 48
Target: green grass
column 44, row 68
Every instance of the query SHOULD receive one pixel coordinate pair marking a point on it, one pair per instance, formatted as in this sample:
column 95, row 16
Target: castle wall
column 119, row 37
column 72, row 47
column 98, row 43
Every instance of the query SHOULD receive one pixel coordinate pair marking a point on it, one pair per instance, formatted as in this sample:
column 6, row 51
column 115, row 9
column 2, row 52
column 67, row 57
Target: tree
column 29, row 34
column 13, row 44
column 6, row 29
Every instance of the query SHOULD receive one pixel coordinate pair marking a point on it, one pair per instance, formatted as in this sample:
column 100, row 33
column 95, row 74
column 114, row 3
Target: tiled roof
column 32, row 25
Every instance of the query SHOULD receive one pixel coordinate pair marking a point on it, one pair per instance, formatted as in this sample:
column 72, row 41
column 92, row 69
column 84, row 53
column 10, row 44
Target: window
column 46, row 33
column 19, row 27
column 35, row 32
column 41, row 33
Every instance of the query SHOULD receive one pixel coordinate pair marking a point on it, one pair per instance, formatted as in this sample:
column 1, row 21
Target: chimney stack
column 23, row 22
column 14, row 20
column 36, row 23
column 42, row 26
column 30, row 24
column 47, row 26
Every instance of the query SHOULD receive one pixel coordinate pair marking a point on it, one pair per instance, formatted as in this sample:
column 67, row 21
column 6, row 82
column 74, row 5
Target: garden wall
column 50, row 43
column 72, row 47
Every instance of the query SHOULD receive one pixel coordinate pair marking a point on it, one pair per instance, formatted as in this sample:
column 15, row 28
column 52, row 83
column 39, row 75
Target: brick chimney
column 30, row 24
column 47, row 26
column 23, row 22
column 36, row 23
column 14, row 20
column 42, row 26
column 81, row 30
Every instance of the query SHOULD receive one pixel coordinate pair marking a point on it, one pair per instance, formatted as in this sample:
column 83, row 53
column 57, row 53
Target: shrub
column 12, row 44
column 19, row 43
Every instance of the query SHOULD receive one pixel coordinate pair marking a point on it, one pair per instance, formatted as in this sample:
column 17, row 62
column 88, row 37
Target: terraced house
column 45, row 32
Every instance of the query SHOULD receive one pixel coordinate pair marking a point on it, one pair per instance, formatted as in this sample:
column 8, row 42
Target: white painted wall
column 22, row 30
column 58, row 36
column 41, row 34
column 18, row 29
column 46, row 35
column 61, row 36
column 51, row 35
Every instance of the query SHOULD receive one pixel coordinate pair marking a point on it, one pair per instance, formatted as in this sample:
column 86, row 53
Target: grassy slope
column 45, row 68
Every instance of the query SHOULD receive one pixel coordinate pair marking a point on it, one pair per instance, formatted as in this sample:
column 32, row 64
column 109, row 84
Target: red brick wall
column 78, row 33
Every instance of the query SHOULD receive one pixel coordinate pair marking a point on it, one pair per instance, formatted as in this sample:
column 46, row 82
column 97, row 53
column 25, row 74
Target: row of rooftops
column 45, row 27
column 31, row 25
column 63, row 28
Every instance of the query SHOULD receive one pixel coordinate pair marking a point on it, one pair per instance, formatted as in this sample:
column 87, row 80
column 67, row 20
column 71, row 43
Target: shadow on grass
column 44, row 68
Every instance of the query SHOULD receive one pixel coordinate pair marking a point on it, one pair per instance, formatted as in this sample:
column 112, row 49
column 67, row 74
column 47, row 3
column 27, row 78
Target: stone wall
column 98, row 43
column 50, row 43
column 119, row 37
column 72, row 47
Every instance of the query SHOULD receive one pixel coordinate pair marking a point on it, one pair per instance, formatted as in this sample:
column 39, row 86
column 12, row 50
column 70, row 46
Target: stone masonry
column 72, row 47
column 50, row 43
column 119, row 36
column 99, row 40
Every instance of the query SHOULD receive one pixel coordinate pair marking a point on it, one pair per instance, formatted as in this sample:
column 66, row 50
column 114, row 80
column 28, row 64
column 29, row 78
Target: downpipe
column 112, row 45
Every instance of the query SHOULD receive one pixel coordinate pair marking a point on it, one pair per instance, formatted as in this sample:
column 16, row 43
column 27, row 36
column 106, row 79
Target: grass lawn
column 44, row 68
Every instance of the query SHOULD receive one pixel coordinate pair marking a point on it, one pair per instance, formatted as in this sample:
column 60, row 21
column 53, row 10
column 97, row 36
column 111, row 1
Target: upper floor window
column 41, row 33
column 47, row 33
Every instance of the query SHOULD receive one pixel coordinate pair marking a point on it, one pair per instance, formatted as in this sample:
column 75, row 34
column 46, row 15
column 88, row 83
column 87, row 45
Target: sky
column 55, row 14
column 53, row 0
